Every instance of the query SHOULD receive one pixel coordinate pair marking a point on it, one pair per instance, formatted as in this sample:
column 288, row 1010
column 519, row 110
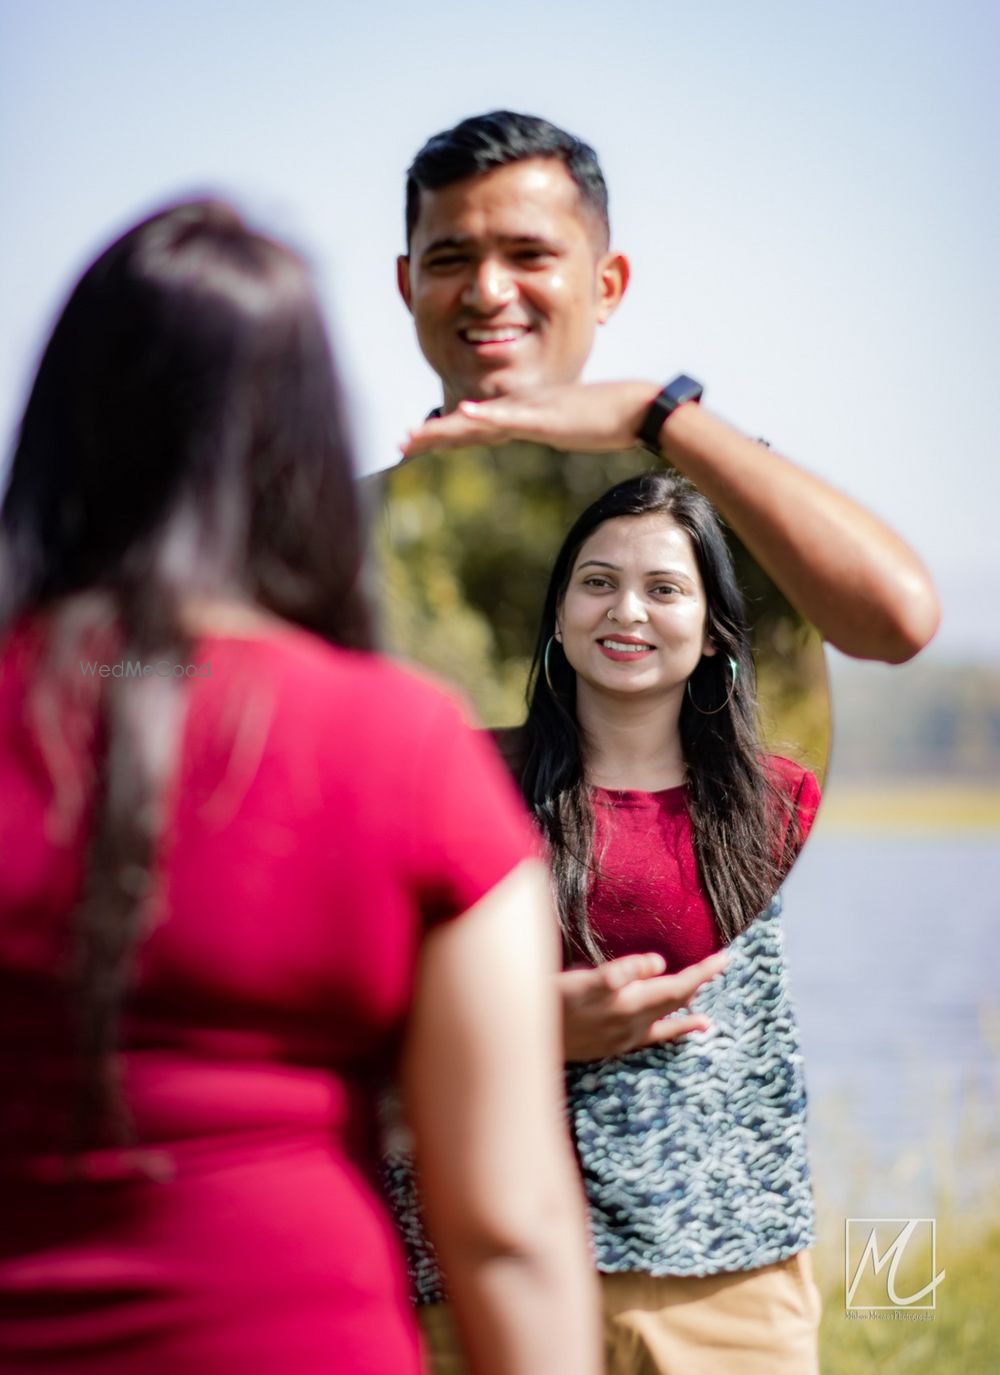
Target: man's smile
column 493, row 338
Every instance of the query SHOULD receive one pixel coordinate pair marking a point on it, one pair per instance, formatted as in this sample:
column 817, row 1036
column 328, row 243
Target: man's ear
column 613, row 274
column 403, row 280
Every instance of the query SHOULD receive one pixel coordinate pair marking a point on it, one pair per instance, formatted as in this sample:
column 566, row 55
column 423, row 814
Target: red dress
column 326, row 809
column 647, row 893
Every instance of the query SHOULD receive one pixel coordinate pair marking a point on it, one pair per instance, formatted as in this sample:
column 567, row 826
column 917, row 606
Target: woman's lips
column 612, row 649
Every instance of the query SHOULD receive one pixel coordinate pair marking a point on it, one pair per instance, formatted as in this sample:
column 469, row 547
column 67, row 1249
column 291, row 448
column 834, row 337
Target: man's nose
column 490, row 287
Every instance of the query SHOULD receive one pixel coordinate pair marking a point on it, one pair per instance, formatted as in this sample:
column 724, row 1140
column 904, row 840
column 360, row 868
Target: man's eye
column 451, row 260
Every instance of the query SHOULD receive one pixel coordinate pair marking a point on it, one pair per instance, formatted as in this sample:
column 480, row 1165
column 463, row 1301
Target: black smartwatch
column 674, row 394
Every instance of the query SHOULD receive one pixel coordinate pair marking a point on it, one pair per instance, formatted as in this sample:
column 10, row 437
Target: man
column 508, row 273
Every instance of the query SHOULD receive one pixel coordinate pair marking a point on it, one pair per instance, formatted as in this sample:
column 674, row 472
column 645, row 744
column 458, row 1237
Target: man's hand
column 626, row 1003
column 595, row 417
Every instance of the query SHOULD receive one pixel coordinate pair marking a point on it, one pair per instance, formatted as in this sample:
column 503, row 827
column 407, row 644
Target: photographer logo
column 890, row 1266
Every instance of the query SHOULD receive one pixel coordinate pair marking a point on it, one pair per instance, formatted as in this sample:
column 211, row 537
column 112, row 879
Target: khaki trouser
column 753, row 1322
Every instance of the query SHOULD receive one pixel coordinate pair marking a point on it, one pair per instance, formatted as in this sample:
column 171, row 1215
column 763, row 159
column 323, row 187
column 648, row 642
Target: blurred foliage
column 464, row 542
column 963, row 1337
column 919, row 721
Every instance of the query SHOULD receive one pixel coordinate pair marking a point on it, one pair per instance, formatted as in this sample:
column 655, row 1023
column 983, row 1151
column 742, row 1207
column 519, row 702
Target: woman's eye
column 666, row 589
column 599, row 583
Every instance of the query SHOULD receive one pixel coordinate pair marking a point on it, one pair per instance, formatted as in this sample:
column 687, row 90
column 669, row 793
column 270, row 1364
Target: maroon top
column 647, row 895
column 327, row 807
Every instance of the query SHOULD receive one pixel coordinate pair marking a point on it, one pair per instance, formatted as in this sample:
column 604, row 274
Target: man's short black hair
column 483, row 142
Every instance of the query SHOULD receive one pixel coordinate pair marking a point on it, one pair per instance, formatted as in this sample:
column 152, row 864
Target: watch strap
column 682, row 388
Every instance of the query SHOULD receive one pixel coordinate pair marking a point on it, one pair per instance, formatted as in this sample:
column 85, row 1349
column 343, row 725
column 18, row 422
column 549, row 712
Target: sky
column 808, row 193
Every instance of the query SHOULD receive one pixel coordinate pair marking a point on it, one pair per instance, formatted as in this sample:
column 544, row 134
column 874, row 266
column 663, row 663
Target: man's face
column 507, row 280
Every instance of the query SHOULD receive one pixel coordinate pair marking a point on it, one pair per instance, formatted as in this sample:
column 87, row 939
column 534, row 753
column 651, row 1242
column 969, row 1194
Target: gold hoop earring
column 545, row 664
column 714, row 711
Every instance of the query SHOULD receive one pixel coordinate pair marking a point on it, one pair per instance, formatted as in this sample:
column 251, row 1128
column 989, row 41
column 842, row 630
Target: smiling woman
column 669, row 829
column 633, row 618
column 647, row 683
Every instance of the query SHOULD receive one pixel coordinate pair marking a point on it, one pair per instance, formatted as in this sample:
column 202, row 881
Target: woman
column 669, row 831
column 230, row 903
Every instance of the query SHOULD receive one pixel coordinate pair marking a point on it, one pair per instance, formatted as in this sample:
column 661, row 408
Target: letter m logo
column 907, row 1246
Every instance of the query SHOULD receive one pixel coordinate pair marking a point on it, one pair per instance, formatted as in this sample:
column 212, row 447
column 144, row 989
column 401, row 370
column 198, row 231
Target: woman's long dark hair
column 738, row 816
column 184, row 438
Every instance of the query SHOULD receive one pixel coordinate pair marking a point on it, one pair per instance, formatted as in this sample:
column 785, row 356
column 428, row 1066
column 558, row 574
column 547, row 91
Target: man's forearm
column 862, row 587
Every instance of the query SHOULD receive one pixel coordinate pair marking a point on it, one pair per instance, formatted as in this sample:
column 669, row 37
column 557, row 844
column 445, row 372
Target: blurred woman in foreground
column 227, row 886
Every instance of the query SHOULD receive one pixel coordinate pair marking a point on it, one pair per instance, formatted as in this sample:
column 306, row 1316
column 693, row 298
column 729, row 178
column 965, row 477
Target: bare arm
column 864, row 589
column 483, row 1092
column 839, row 565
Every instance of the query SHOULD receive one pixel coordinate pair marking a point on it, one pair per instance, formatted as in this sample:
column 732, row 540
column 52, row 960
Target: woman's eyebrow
column 650, row 573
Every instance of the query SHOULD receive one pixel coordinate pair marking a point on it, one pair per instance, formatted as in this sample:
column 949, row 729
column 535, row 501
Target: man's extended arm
column 863, row 588
column 841, row 567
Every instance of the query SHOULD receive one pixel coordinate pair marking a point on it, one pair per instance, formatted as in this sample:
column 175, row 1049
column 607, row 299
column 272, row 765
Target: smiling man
column 508, row 274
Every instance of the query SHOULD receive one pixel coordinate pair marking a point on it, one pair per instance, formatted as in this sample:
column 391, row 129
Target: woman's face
column 633, row 618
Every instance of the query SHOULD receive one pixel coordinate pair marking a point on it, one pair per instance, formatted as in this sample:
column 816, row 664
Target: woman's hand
column 627, row 1003
column 595, row 417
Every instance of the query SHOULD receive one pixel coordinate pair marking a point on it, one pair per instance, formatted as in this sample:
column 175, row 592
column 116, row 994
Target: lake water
column 893, row 951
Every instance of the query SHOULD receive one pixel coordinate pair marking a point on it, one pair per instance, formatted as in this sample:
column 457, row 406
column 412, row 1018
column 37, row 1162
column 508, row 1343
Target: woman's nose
column 628, row 608
column 491, row 286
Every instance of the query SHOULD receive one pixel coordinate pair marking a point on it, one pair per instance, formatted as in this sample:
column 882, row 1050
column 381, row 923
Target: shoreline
column 905, row 806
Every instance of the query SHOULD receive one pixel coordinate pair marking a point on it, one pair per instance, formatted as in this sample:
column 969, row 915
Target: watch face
column 674, row 394
column 682, row 389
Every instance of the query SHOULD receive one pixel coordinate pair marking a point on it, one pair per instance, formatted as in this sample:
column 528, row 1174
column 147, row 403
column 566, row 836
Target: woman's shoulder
column 799, row 784
column 331, row 680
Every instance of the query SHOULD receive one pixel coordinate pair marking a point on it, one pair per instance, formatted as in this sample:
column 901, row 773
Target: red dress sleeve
column 470, row 826
column 807, row 800
column 801, row 790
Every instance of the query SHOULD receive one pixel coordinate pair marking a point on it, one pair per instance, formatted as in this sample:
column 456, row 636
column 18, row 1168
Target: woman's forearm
column 528, row 1304
column 483, row 1091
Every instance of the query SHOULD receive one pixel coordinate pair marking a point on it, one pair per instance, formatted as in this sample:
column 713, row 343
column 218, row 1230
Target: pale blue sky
column 809, row 195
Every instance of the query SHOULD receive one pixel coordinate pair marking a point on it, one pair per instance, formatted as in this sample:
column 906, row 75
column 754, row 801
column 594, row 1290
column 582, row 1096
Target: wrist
column 681, row 391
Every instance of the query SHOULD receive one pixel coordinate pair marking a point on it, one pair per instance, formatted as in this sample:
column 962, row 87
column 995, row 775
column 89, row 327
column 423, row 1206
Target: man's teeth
column 505, row 335
column 628, row 649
